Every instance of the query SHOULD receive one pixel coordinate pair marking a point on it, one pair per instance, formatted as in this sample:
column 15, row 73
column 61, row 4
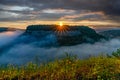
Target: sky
column 21, row 13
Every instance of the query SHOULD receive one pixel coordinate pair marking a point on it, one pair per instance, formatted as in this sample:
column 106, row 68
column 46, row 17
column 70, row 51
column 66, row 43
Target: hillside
column 3, row 29
column 111, row 33
column 68, row 68
column 71, row 35
column 49, row 36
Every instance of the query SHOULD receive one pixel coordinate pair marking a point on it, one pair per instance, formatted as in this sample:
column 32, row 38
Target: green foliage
column 68, row 68
column 116, row 54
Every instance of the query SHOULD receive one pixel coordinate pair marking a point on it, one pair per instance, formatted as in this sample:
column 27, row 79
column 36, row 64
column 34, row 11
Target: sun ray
column 61, row 29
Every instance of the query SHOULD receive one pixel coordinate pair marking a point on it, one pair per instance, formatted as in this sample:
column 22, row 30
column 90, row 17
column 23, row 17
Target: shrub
column 68, row 68
column 116, row 54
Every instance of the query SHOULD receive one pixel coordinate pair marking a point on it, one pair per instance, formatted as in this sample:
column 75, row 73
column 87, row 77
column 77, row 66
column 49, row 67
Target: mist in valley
column 24, row 53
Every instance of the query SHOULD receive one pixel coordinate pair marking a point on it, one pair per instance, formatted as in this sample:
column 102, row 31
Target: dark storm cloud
column 13, row 2
column 111, row 8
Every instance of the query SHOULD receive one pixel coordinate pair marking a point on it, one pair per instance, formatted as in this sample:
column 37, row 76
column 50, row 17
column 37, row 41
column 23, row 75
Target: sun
column 60, row 23
column 61, row 29
column 60, row 26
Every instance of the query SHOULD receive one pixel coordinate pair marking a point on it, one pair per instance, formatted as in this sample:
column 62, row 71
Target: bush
column 116, row 54
column 68, row 68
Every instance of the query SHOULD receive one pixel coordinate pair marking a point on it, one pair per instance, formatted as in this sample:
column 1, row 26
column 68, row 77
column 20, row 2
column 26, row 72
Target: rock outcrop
column 70, row 35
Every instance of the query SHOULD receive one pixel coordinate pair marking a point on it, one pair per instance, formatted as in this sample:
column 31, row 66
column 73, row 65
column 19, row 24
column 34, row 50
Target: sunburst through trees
column 61, row 29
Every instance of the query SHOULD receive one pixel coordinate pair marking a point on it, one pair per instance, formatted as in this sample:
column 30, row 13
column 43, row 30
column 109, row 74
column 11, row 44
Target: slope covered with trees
column 70, row 35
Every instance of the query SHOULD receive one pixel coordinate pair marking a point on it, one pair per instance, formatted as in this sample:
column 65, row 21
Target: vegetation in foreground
column 69, row 68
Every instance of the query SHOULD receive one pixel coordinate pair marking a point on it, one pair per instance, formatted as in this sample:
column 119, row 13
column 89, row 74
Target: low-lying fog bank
column 23, row 53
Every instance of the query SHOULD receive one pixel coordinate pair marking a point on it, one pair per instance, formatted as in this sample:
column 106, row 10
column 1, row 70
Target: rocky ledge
column 63, row 35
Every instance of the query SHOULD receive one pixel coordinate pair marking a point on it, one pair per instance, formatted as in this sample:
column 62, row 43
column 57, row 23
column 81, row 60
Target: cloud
column 58, row 11
column 8, row 37
column 84, row 16
column 75, row 11
column 23, row 53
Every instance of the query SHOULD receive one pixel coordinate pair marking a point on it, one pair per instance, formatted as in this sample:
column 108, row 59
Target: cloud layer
column 45, row 10
column 23, row 53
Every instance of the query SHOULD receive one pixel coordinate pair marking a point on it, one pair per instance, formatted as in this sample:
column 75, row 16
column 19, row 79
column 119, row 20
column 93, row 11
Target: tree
column 116, row 54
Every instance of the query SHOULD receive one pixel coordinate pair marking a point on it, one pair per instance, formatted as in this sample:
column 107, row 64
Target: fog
column 24, row 53
column 9, row 36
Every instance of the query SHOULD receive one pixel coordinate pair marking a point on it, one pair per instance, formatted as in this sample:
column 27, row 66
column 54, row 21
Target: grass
column 69, row 68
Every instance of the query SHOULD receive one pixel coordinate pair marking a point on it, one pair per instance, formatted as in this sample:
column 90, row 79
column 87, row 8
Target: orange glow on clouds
column 24, row 24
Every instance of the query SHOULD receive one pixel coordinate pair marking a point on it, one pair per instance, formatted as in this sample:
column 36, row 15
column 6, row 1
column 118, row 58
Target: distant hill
column 49, row 36
column 3, row 29
column 71, row 35
column 111, row 33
